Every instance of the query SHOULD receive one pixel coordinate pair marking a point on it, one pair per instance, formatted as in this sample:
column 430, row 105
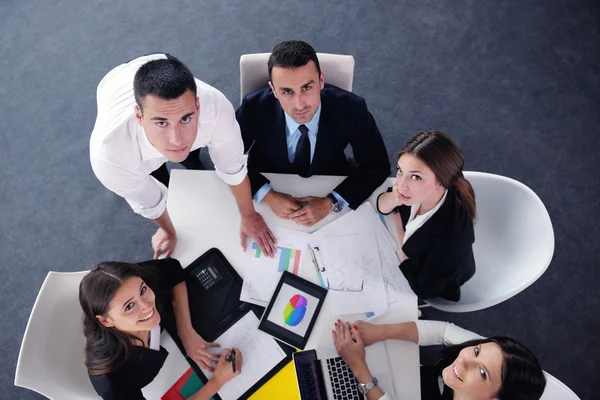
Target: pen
column 232, row 358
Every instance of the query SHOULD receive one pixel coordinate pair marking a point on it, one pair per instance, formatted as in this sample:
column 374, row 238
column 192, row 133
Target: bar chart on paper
column 287, row 259
column 263, row 272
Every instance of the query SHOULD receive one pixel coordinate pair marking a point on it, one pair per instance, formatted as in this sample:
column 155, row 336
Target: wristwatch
column 336, row 205
column 365, row 387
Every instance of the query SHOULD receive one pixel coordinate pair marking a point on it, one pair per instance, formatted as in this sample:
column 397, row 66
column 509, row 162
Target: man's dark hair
column 292, row 54
column 166, row 79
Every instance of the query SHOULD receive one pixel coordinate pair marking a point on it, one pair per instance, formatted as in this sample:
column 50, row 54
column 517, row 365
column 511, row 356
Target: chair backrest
column 556, row 390
column 254, row 73
column 514, row 243
column 51, row 360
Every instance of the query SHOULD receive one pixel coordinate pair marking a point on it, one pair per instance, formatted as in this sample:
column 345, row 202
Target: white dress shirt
column 293, row 135
column 436, row 332
column 155, row 338
column 122, row 157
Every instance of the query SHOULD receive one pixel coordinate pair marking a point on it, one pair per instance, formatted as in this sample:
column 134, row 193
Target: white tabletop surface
column 205, row 215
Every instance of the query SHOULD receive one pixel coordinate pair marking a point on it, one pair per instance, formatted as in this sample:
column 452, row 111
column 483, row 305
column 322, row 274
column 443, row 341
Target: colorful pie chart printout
column 293, row 309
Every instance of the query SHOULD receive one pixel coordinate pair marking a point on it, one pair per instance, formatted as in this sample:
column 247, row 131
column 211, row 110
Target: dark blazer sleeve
column 109, row 390
column 370, row 155
column 437, row 272
column 245, row 115
column 132, row 394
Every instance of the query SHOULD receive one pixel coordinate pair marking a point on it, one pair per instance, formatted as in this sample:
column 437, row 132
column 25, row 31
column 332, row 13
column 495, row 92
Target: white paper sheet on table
column 397, row 287
column 366, row 222
column 352, row 272
column 348, row 250
column 260, row 353
column 262, row 273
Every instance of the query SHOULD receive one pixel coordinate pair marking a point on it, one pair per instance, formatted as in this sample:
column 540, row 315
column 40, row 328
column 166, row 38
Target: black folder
column 214, row 310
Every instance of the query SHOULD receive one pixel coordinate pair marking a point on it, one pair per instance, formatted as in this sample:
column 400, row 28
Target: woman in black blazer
column 123, row 305
column 434, row 208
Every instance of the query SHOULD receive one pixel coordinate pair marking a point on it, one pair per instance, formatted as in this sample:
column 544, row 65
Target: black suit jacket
column 143, row 364
column 440, row 253
column 344, row 120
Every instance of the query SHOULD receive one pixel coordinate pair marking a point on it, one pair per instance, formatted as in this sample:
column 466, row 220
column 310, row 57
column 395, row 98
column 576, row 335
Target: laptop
column 328, row 376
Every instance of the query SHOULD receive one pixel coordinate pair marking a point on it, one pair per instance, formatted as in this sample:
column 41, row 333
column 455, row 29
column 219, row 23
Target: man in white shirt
column 152, row 110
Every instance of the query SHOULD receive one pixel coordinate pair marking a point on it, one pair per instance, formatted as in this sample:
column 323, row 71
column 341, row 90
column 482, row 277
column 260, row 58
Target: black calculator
column 208, row 276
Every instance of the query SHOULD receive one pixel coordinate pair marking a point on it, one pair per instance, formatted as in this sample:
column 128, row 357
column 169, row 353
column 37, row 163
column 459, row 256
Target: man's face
column 171, row 126
column 298, row 90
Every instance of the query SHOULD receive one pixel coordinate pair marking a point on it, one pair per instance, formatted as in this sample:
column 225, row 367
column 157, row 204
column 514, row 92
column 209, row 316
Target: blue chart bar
column 284, row 259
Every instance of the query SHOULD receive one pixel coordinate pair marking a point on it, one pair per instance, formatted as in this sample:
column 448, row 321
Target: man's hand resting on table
column 315, row 209
column 198, row 350
column 254, row 225
column 163, row 243
column 282, row 204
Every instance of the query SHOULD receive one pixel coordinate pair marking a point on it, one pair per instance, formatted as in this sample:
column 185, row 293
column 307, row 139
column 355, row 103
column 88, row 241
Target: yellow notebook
column 282, row 386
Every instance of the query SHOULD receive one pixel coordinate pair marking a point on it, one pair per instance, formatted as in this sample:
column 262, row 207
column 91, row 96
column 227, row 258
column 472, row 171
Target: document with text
column 260, row 353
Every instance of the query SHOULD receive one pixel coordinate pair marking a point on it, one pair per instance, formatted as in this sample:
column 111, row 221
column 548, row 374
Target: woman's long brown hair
column 106, row 348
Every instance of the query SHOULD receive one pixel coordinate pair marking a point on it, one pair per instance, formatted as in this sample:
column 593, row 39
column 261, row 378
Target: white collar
column 415, row 208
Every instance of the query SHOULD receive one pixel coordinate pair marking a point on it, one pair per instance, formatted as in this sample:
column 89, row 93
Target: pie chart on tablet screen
column 295, row 310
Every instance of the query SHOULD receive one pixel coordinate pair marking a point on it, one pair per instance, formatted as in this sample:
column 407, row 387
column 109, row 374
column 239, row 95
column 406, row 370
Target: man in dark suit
column 300, row 125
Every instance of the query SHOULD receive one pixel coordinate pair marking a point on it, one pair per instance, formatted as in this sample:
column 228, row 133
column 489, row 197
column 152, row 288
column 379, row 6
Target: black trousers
column 191, row 162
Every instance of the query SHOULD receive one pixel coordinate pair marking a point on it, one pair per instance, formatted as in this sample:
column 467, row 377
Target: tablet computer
column 293, row 310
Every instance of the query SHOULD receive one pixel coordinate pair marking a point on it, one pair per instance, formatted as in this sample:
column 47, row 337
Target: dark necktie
column 302, row 156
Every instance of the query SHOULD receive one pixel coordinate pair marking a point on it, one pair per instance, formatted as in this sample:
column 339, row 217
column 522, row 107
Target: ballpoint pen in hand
column 232, row 358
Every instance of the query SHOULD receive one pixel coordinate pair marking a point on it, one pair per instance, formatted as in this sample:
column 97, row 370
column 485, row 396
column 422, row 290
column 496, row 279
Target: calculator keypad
column 206, row 279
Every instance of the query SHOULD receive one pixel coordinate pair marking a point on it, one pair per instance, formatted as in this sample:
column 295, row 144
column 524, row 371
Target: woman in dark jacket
column 125, row 307
column 434, row 208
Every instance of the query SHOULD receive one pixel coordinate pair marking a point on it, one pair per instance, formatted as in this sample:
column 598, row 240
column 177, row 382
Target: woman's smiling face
column 132, row 308
column 477, row 372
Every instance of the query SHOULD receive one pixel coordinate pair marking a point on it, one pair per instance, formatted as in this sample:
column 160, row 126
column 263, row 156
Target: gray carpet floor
column 516, row 83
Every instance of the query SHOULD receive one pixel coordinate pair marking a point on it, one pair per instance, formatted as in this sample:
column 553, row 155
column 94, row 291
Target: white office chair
column 514, row 243
column 556, row 390
column 254, row 73
column 51, row 360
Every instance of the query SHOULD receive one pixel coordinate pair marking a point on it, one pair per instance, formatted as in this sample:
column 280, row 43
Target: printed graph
column 289, row 259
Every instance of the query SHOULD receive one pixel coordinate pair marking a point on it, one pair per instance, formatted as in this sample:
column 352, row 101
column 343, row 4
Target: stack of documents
column 355, row 254
column 359, row 264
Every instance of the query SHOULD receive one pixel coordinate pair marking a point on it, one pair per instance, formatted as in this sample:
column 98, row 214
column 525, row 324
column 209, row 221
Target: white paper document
column 260, row 353
column 262, row 273
column 175, row 367
column 361, row 264
column 352, row 272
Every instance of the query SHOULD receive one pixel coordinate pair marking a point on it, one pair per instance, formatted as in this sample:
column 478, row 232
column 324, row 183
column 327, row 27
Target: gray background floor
column 516, row 83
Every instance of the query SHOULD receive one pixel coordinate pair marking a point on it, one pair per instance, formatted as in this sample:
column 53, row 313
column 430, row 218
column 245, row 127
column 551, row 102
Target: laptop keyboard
column 343, row 381
column 306, row 381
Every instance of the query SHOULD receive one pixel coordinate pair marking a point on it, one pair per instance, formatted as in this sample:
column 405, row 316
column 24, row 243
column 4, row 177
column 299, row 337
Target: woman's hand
column 224, row 371
column 198, row 350
column 396, row 194
column 349, row 344
column 369, row 333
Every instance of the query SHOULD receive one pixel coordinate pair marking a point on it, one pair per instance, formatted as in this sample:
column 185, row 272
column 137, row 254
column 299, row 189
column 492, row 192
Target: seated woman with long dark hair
column 470, row 367
column 434, row 208
column 124, row 306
